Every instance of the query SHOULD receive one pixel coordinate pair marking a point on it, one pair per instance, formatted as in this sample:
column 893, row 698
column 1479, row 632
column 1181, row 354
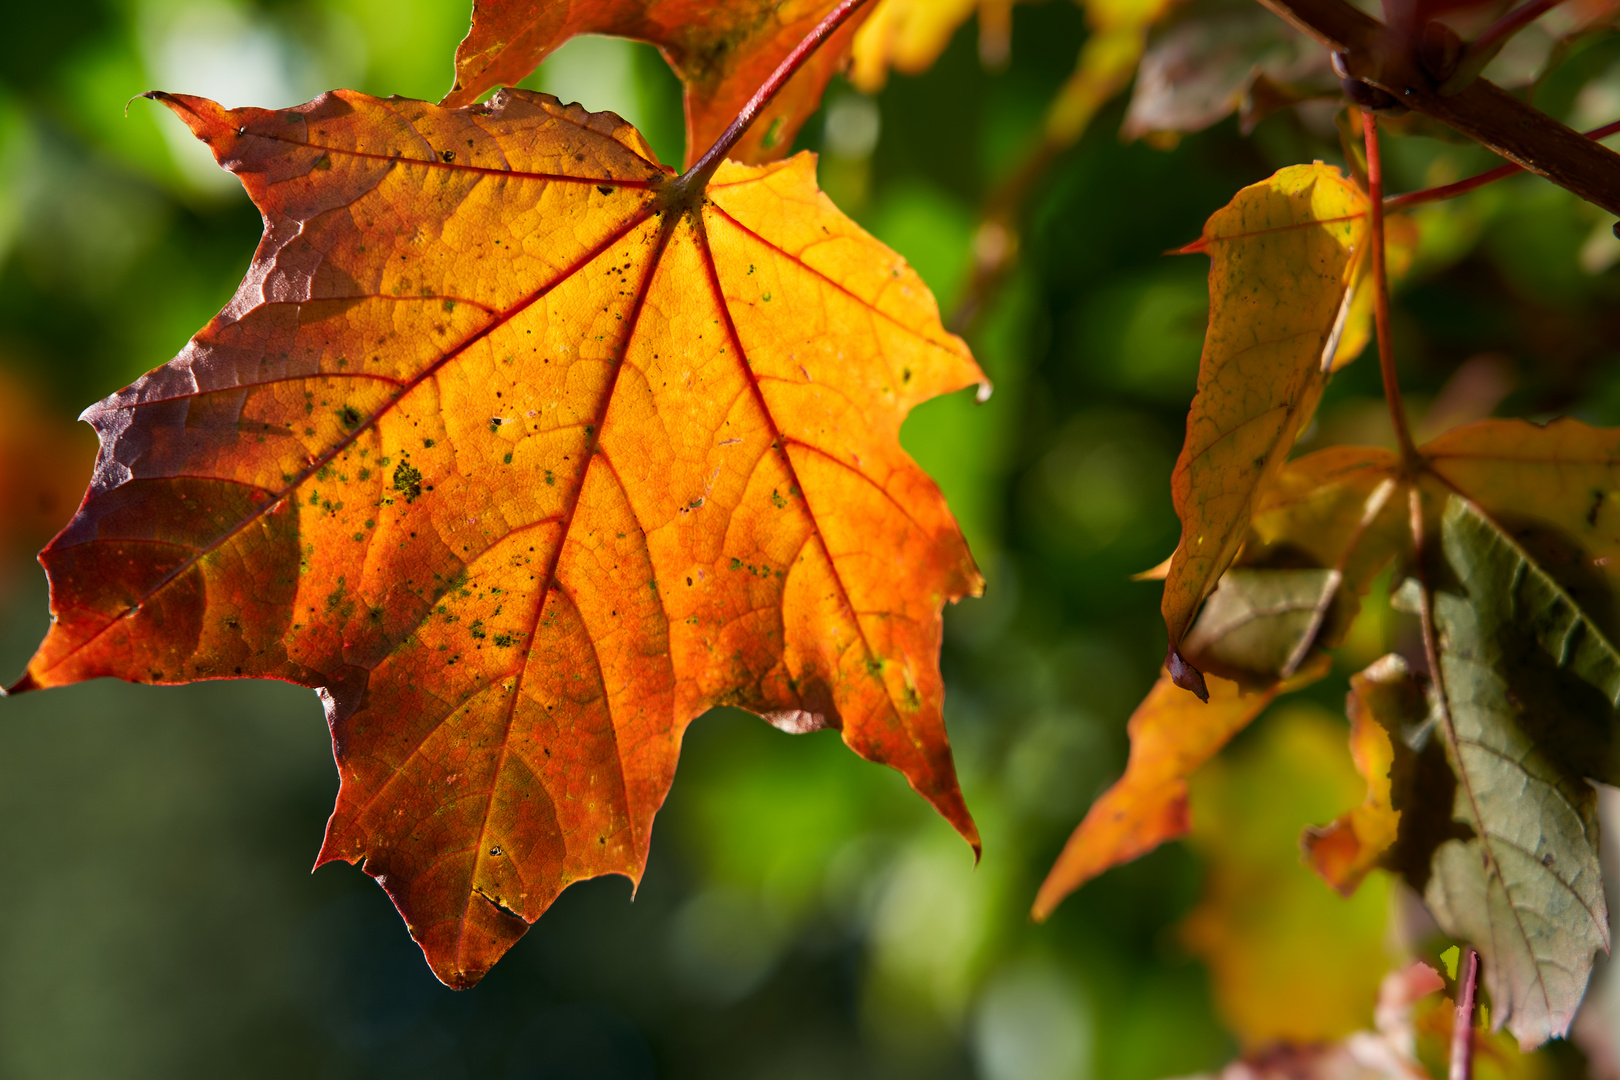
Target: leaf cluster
column 288, row 496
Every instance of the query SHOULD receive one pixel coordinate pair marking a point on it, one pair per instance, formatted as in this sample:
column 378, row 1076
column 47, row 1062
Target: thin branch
column 697, row 177
column 1490, row 42
column 1386, row 348
column 1483, row 111
column 1462, row 1027
column 1462, row 187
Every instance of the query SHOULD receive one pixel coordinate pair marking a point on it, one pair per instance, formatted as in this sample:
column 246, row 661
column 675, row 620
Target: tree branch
column 1483, row 111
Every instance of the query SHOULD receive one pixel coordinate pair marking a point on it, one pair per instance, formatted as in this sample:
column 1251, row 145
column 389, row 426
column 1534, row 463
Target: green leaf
column 1528, row 683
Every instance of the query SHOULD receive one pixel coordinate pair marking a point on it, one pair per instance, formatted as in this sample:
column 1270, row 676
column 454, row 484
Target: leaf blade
column 493, row 448
column 721, row 52
column 1527, row 888
column 1262, row 369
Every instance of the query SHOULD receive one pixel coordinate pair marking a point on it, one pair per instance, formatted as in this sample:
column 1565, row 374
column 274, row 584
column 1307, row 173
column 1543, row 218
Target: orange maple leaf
column 525, row 455
column 721, row 51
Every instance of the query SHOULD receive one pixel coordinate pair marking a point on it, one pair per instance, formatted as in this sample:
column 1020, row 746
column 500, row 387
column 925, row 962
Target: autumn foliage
column 525, row 451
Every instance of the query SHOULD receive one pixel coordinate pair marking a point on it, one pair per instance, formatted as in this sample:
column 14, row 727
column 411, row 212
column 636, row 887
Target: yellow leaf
column 1283, row 255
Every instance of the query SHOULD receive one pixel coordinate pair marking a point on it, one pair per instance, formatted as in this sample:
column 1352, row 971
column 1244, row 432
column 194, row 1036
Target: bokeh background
column 803, row 914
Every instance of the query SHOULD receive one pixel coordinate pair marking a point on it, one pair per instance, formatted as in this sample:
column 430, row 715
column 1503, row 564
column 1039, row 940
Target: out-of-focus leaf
column 1383, row 700
column 526, row 460
column 909, row 35
column 1291, row 961
column 1528, row 685
column 1198, row 70
column 1283, row 254
column 721, row 51
column 1338, row 508
column 1172, row 734
column 44, row 461
column 1388, row 1052
column 1496, row 1055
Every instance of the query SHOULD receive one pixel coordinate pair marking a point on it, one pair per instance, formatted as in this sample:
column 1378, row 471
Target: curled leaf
column 1383, row 699
column 1283, row 254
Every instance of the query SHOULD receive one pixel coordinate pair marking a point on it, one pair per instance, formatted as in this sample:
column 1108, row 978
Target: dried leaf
column 721, row 51
column 1283, row 254
column 1383, row 700
column 525, row 463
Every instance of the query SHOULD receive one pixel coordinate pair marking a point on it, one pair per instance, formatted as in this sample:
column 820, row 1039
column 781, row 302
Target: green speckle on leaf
column 408, row 481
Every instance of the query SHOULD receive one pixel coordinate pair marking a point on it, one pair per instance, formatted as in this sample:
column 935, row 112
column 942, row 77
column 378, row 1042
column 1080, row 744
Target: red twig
column 1463, row 187
column 1386, row 348
column 1497, row 34
column 1462, row 1028
column 695, row 178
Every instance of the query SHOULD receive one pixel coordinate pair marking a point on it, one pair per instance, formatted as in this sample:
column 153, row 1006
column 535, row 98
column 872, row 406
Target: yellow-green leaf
column 1283, row 254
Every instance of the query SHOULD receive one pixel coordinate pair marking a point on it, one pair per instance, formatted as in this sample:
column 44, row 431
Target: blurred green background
column 803, row 915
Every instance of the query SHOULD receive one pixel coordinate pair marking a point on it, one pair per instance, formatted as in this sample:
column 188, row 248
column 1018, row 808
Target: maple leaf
column 525, row 455
column 1526, row 887
column 720, row 51
column 1496, row 824
column 1283, row 257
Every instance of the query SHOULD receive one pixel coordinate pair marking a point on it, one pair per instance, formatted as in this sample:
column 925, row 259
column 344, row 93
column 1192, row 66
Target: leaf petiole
column 1462, row 1028
column 695, row 179
column 1386, row 348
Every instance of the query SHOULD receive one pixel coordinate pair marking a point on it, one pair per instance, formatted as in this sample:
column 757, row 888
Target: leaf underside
column 525, row 467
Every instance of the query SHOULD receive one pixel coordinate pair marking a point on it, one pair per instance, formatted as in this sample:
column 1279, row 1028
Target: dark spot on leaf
column 408, row 481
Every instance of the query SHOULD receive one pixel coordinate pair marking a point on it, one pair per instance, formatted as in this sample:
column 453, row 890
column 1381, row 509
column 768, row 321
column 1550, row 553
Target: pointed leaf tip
column 1186, row 676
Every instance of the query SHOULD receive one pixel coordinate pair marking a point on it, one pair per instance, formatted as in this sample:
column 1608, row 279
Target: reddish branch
column 1386, row 348
column 1462, row 187
column 1462, row 1027
column 1483, row 111
column 697, row 177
